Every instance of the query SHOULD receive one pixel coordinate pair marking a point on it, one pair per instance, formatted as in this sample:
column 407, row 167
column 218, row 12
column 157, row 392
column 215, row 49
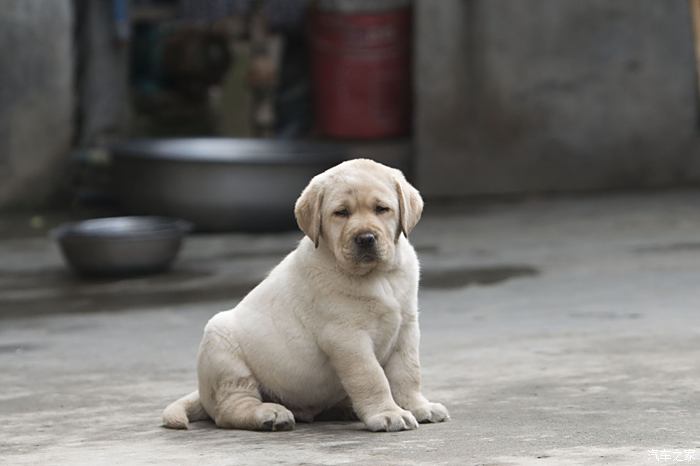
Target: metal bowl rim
column 243, row 151
column 161, row 227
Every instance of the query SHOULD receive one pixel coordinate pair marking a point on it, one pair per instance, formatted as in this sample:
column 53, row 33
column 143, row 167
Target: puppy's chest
column 384, row 311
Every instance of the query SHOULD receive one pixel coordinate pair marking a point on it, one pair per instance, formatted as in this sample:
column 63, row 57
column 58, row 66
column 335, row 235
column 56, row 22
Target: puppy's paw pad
column 274, row 417
column 431, row 412
column 391, row 421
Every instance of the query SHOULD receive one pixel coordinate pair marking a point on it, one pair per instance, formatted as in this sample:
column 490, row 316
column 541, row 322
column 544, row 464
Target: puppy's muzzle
column 366, row 247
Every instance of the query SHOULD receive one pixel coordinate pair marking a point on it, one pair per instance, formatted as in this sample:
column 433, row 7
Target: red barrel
column 361, row 68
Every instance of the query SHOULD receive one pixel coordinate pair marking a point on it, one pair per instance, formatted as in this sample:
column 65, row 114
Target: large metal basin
column 220, row 184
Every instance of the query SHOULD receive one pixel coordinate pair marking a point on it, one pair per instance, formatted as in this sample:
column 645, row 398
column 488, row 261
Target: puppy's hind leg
column 231, row 394
column 239, row 406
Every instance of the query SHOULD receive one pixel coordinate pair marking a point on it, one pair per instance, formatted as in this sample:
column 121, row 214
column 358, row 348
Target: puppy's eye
column 342, row 213
column 380, row 209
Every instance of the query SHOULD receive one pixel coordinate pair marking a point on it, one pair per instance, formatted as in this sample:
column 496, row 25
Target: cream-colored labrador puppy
column 336, row 319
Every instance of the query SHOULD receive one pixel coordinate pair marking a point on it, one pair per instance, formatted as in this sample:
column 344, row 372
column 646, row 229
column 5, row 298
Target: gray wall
column 36, row 98
column 554, row 95
column 104, row 82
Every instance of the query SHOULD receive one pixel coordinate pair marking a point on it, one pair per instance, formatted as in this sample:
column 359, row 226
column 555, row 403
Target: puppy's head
column 358, row 210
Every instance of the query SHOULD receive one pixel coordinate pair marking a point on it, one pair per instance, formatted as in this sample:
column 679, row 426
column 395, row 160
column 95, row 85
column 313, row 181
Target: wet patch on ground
column 57, row 291
column 466, row 276
column 17, row 347
column 426, row 249
column 108, row 300
column 668, row 248
column 243, row 255
column 606, row 315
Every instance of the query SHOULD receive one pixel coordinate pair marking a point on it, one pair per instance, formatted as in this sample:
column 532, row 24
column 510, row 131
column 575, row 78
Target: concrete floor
column 557, row 332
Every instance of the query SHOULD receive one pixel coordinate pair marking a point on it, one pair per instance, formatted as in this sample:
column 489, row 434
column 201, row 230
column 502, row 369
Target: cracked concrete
column 557, row 331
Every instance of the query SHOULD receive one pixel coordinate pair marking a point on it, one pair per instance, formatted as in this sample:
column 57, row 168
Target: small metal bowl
column 121, row 246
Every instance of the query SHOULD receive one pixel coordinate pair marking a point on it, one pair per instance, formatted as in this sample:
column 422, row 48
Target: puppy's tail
column 187, row 409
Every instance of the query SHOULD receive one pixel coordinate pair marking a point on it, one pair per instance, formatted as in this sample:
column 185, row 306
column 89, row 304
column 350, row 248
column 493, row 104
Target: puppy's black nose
column 365, row 240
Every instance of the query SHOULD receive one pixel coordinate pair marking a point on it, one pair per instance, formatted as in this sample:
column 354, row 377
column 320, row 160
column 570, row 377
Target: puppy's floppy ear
column 410, row 205
column 307, row 210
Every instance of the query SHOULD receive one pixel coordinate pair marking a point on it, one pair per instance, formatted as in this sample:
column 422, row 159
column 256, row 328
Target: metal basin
column 220, row 184
column 121, row 246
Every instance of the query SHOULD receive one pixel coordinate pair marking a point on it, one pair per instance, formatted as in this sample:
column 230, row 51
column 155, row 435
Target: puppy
column 335, row 322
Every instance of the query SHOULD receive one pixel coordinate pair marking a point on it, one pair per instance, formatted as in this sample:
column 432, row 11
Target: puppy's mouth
column 362, row 261
column 366, row 257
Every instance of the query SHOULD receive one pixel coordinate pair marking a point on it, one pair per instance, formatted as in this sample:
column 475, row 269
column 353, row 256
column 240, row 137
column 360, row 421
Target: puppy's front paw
column 272, row 416
column 430, row 412
column 391, row 421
